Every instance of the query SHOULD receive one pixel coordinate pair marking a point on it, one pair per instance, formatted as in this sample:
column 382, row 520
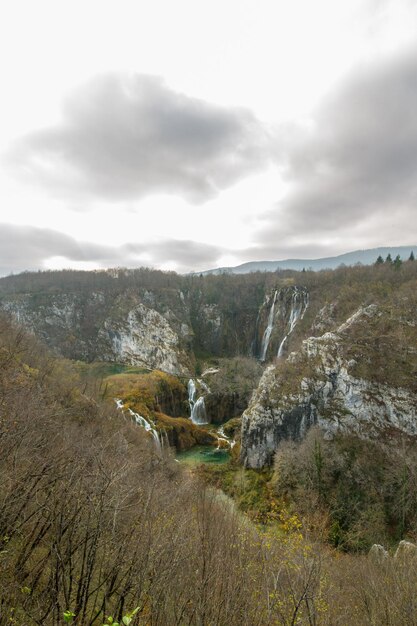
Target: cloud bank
column 125, row 137
column 351, row 173
column 354, row 171
column 30, row 248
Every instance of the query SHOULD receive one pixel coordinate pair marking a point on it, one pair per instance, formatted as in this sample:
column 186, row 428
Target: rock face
column 124, row 329
column 378, row 553
column 144, row 337
column 101, row 317
column 230, row 388
column 406, row 552
column 271, row 418
column 221, row 407
column 319, row 385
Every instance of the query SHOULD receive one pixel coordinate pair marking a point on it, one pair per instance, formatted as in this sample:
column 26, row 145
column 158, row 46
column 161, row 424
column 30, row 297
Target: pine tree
column 397, row 262
column 379, row 260
column 388, row 259
column 411, row 257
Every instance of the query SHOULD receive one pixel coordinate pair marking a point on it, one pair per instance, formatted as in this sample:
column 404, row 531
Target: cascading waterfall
column 299, row 304
column 285, row 307
column 221, row 436
column 191, row 392
column 160, row 440
column 164, row 440
column 267, row 334
column 204, row 385
column 148, row 426
column 198, row 413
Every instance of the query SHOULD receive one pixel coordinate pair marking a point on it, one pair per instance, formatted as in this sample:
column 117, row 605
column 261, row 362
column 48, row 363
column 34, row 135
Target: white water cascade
column 285, row 307
column 221, row 436
column 204, row 385
column 161, row 441
column 268, row 330
column 147, row 425
column 198, row 413
column 299, row 304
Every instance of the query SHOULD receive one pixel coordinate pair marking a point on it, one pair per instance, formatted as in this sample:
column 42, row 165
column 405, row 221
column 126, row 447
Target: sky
column 189, row 135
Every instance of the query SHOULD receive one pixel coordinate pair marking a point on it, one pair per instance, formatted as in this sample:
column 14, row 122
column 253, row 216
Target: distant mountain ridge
column 366, row 257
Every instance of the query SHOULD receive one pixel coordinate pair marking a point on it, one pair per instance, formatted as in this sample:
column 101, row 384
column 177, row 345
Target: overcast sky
column 191, row 134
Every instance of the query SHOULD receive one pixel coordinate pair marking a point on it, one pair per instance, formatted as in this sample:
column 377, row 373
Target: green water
column 203, row 454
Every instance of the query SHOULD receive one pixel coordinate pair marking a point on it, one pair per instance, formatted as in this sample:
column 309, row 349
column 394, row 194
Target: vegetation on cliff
column 96, row 522
column 354, row 492
column 212, row 316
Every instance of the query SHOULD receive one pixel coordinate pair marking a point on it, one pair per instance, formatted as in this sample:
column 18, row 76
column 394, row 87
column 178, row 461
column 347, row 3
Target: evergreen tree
column 379, row 260
column 411, row 257
column 388, row 259
column 397, row 262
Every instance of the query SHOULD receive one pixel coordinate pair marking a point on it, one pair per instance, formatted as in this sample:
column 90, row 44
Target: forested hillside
column 97, row 524
column 109, row 315
column 94, row 315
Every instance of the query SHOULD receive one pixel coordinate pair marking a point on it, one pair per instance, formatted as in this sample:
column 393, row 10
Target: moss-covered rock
column 232, row 427
column 150, row 393
column 182, row 433
column 163, row 399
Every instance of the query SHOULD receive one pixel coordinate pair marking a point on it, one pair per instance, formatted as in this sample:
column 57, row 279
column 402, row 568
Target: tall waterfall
column 198, row 413
column 299, row 304
column 277, row 318
column 268, row 330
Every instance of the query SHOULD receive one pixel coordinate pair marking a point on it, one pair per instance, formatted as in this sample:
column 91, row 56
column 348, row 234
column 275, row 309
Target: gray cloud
column 356, row 167
column 185, row 253
column 126, row 137
column 29, row 248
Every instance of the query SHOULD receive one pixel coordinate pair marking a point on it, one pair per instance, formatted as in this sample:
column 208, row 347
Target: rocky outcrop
column 182, row 434
column 230, row 387
column 271, row 418
column 125, row 328
column 222, row 407
column 406, row 552
column 162, row 327
column 378, row 554
column 149, row 393
column 144, row 337
column 318, row 385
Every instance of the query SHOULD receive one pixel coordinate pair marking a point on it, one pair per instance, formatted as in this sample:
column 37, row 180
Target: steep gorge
column 353, row 331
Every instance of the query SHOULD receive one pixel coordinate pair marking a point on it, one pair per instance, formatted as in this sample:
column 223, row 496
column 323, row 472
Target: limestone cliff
column 125, row 328
column 323, row 384
column 139, row 317
column 145, row 337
